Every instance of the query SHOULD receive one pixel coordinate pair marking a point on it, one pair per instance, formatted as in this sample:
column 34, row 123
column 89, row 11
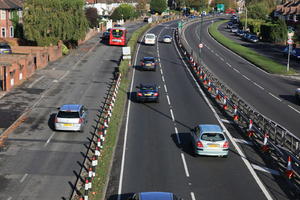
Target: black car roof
column 149, row 58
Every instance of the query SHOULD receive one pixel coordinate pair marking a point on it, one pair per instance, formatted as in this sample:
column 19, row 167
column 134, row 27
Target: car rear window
column 148, row 88
column 117, row 33
column 64, row 114
column 212, row 137
column 149, row 59
column 150, row 36
column 4, row 46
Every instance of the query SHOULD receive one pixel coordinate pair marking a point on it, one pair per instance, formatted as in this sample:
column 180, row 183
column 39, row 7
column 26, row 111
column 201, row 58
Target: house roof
column 11, row 4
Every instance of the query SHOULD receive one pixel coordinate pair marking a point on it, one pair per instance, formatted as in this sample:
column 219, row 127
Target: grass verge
column 260, row 61
column 104, row 162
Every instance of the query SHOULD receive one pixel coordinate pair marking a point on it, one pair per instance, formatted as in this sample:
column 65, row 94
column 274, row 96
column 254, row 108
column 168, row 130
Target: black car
column 147, row 93
column 148, row 63
column 105, row 35
column 146, row 19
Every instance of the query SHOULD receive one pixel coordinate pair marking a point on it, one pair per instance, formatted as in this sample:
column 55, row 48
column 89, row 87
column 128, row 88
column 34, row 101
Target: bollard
column 217, row 94
column 99, row 142
column 265, row 146
column 86, row 189
column 235, row 114
column 94, row 164
column 209, row 85
column 225, row 107
column 90, row 172
column 97, row 151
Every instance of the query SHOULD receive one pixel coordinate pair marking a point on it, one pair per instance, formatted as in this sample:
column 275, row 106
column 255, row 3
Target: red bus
column 117, row 36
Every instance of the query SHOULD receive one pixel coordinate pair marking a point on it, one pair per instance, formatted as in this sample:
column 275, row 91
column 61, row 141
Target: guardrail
column 272, row 138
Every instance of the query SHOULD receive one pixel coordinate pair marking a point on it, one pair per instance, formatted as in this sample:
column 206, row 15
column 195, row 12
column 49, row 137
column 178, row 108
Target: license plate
column 148, row 94
column 148, row 65
column 6, row 51
column 213, row 145
column 67, row 124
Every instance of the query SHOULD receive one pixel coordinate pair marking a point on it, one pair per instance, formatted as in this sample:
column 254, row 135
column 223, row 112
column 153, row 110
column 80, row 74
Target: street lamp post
column 200, row 32
column 246, row 18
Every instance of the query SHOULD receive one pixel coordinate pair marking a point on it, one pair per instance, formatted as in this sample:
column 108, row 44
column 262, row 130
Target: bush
column 124, row 11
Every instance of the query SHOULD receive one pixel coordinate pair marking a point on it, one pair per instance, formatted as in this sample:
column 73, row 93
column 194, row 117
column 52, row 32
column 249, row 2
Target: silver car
column 210, row 140
column 71, row 117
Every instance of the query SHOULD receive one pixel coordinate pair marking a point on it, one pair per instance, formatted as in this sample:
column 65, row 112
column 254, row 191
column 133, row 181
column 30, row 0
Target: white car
column 150, row 38
column 167, row 39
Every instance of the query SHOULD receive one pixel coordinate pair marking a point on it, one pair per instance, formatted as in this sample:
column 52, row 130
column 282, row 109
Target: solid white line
column 242, row 141
column 228, row 64
column 258, row 85
column 49, row 139
column 246, row 77
column 64, row 75
column 222, row 58
column 294, row 109
column 193, row 196
column 178, row 139
column 23, row 178
column 227, row 121
column 236, row 70
column 185, row 166
column 242, row 155
column 275, row 96
column 168, row 99
column 265, row 169
column 165, row 88
column 172, row 115
column 34, row 82
column 163, row 79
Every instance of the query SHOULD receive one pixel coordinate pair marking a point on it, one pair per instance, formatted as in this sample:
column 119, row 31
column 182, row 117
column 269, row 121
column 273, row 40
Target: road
column 154, row 151
column 271, row 95
column 36, row 162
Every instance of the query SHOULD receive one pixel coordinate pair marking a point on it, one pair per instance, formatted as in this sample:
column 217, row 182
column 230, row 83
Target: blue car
column 147, row 93
column 295, row 52
column 5, row 48
column 154, row 196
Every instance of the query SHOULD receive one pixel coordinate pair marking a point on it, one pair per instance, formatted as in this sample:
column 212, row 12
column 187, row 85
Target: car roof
column 148, row 58
column 156, row 196
column 70, row 107
column 210, row 128
column 150, row 34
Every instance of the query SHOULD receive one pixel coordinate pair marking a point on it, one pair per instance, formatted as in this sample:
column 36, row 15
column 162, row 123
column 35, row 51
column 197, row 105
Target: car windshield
column 4, row 46
column 117, row 33
column 212, row 137
column 150, row 36
column 65, row 114
column 147, row 87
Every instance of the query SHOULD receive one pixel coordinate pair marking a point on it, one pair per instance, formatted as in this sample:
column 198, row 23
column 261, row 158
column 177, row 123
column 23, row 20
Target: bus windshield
column 117, row 33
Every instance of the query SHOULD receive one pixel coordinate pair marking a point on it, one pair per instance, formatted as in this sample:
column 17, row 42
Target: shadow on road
column 123, row 196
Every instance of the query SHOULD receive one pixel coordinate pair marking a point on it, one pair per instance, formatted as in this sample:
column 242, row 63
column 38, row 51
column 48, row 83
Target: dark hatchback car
column 154, row 196
column 148, row 63
column 147, row 93
column 5, row 48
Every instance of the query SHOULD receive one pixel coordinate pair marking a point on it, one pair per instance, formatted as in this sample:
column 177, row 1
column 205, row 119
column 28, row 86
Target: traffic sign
column 290, row 41
column 200, row 45
column 180, row 24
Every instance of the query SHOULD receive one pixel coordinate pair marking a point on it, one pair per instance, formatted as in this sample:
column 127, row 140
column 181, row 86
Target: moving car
column 234, row 29
column 154, row 196
column 167, row 39
column 253, row 38
column 5, row 48
column 105, row 35
column 210, row 140
column 240, row 33
column 71, row 117
column 150, row 38
column 147, row 93
column 148, row 63
column 229, row 25
column 297, row 95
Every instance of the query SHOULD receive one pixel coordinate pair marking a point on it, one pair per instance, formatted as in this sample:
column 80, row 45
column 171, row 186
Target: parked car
column 117, row 25
column 146, row 19
column 5, row 48
column 154, row 196
column 210, row 140
column 297, row 95
column 167, row 39
column 240, row 33
column 71, row 117
column 246, row 36
column 150, row 38
column 234, row 29
column 148, row 63
column 253, row 38
column 105, row 35
column 229, row 25
column 147, row 93
column 295, row 52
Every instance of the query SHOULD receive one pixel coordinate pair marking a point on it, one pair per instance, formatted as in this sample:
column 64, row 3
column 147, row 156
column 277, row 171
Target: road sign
column 290, row 41
column 180, row 24
column 200, row 45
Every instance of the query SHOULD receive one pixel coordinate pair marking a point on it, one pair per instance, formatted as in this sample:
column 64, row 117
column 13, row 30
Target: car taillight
column 153, row 64
column 226, row 145
column 140, row 94
column 142, row 63
column 55, row 120
column 155, row 94
column 199, row 144
column 80, row 120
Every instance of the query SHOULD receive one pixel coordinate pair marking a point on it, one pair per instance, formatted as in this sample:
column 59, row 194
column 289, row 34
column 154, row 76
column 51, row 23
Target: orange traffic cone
column 235, row 115
column 265, row 146
column 289, row 171
column 225, row 107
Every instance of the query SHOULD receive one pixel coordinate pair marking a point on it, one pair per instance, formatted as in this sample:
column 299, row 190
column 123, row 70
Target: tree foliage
column 158, row 6
column 92, row 16
column 48, row 21
column 124, row 11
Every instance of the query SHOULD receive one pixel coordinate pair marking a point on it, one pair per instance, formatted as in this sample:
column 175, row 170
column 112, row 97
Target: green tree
column 158, row 6
column 18, row 27
column 92, row 16
column 124, row 11
column 48, row 21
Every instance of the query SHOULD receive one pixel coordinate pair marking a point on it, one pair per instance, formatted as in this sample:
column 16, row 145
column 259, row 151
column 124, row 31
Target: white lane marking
column 258, row 85
column 294, row 109
column 165, row 88
column 178, row 138
column 242, row 155
column 222, row 58
column 236, row 70
column 163, row 79
column 49, row 139
column 161, row 70
column 185, row 166
column 227, row 121
column 275, row 96
column 228, row 64
column 168, row 99
column 265, row 169
column 242, row 141
column 55, row 81
column 9, row 198
column 64, row 75
column 217, row 55
column 23, row 178
column 34, row 82
column 246, row 77
column 172, row 115
column 193, row 196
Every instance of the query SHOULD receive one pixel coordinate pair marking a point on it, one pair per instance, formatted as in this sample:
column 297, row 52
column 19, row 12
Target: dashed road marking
column 222, row 58
column 165, row 88
column 64, row 75
column 185, row 166
column 34, row 82
column 275, row 96
column 168, row 99
column 178, row 138
column 265, row 169
column 172, row 115
column 236, row 70
column 258, row 85
column 228, row 64
column 163, row 78
column 49, row 139
column 193, row 196
column 246, row 77
column 23, row 178
column 294, row 109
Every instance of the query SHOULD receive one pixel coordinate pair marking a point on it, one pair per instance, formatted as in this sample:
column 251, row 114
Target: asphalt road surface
column 154, row 149
column 271, row 95
column 38, row 163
